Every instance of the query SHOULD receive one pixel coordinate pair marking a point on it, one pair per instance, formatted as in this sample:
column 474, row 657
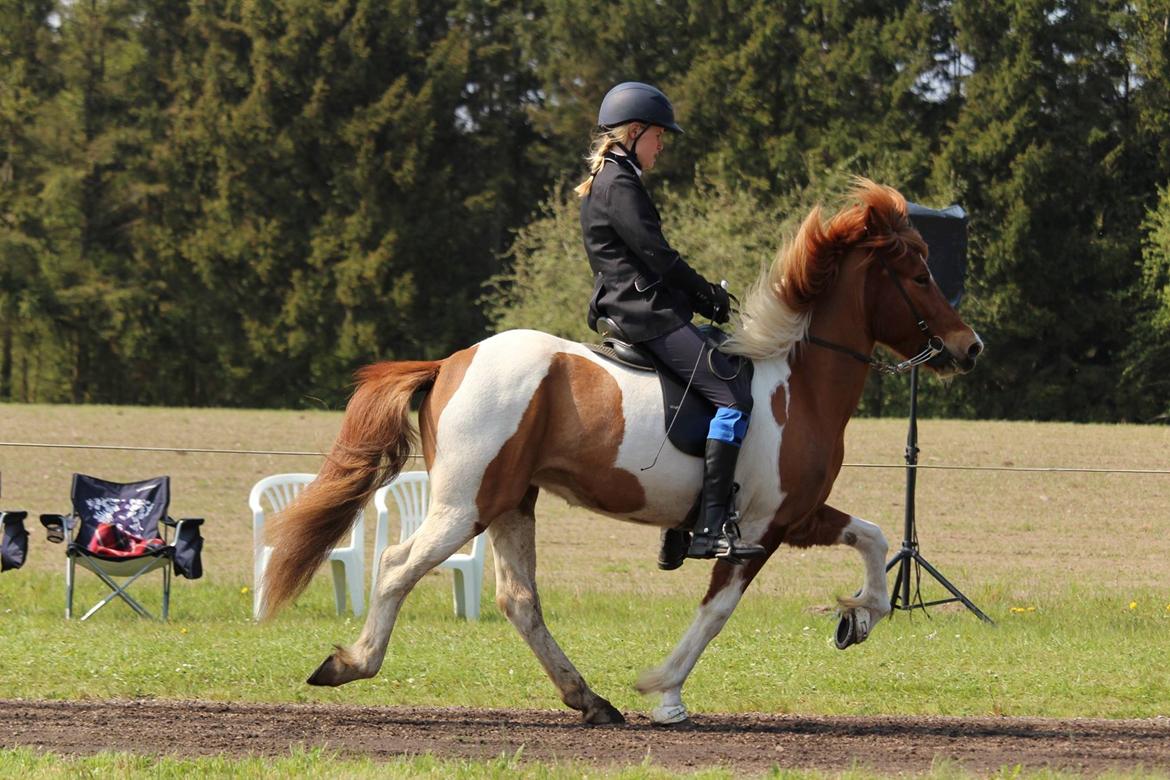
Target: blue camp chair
column 122, row 533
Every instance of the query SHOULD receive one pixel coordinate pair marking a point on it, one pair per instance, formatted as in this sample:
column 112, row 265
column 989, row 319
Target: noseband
column 934, row 345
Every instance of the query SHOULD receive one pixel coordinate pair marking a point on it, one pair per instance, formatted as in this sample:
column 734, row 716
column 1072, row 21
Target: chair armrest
column 173, row 523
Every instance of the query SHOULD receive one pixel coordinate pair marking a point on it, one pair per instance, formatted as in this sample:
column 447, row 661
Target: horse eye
column 922, row 280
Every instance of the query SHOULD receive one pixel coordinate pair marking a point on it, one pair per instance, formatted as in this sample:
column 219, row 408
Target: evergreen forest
column 240, row 202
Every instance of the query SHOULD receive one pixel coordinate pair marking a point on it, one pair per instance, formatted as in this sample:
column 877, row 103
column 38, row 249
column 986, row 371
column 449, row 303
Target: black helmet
column 633, row 101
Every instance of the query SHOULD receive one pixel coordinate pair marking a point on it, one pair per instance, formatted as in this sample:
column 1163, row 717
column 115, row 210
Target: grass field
column 319, row 764
column 1073, row 567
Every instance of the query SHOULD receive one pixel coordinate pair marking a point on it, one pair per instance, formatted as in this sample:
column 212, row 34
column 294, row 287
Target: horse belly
column 605, row 426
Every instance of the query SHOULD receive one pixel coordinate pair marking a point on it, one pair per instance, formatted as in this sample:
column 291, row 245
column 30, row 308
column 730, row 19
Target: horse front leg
column 861, row 612
column 728, row 583
column 513, row 537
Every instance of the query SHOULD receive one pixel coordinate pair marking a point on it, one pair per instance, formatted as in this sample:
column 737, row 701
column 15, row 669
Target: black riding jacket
column 639, row 281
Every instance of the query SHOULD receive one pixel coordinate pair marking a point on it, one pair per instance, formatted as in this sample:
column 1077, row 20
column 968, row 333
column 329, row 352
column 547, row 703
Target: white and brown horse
column 523, row 410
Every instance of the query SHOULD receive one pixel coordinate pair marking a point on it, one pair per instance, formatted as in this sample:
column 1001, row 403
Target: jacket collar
column 623, row 159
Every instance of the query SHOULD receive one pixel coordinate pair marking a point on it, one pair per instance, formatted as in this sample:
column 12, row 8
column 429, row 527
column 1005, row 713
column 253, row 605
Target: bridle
column 934, row 345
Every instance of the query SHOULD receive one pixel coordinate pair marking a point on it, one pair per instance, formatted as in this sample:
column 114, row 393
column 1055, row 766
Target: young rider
column 650, row 292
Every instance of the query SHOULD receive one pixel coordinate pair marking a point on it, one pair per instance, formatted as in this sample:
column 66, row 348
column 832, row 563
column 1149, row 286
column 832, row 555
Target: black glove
column 720, row 304
column 709, row 300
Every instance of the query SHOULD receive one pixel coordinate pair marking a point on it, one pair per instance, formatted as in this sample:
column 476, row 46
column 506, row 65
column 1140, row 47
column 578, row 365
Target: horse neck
column 832, row 380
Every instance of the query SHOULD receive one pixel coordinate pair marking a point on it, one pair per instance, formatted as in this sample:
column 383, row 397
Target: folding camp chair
column 411, row 492
column 122, row 533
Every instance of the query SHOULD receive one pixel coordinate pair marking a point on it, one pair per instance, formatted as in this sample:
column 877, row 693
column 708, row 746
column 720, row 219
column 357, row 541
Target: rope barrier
column 920, row 466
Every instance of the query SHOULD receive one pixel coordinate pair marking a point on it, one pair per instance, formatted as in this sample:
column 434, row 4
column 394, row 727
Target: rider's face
column 649, row 145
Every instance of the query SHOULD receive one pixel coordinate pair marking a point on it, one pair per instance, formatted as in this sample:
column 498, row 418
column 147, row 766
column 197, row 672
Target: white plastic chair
column 278, row 491
column 411, row 493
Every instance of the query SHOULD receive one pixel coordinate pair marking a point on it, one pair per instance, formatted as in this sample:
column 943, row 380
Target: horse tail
column 376, row 438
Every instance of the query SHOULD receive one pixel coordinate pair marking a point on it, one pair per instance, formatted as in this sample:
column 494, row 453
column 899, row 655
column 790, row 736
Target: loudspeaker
column 945, row 232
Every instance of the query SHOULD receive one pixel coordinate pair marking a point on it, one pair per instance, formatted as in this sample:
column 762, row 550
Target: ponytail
column 603, row 141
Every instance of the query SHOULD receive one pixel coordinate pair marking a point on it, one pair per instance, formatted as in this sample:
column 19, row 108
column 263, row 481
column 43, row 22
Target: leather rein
column 934, row 345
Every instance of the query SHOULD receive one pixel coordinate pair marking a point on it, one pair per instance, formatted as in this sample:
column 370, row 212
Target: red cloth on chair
column 111, row 541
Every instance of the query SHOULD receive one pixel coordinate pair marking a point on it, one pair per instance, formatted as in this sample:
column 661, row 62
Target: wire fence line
column 917, row 466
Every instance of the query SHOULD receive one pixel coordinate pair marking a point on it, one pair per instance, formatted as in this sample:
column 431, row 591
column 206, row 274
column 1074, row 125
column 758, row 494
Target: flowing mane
column 777, row 309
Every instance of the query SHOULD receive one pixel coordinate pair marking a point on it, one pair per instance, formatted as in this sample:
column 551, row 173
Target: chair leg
column 338, row 585
column 119, row 591
column 357, row 589
column 166, row 605
column 260, row 563
column 474, row 589
column 459, row 586
column 70, row 562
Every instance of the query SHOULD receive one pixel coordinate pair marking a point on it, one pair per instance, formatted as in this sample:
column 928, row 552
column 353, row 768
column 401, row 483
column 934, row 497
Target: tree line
column 238, row 202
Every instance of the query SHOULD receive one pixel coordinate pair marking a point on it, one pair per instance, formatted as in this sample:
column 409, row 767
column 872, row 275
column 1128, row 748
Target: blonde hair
column 603, row 141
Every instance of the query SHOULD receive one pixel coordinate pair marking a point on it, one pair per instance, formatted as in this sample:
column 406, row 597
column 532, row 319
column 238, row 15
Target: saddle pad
column 688, row 431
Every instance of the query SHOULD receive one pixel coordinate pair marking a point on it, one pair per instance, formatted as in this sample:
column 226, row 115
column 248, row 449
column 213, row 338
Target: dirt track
column 747, row 744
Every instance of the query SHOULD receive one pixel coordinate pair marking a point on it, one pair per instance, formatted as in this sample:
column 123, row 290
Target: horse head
column 907, row 311
column 863, row 277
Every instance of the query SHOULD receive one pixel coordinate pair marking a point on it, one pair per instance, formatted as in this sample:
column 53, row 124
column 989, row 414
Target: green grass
column 30, row 765
column 1076, row 653
column 1056, row 560
column 317, row 764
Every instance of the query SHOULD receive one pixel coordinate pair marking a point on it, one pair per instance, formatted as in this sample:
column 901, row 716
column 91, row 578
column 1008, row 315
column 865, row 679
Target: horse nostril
column 975, row 349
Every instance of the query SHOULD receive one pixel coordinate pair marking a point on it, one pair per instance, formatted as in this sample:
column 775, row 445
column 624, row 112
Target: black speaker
column 945, row 233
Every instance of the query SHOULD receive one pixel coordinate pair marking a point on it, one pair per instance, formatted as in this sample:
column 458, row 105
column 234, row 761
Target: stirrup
column 737, row 550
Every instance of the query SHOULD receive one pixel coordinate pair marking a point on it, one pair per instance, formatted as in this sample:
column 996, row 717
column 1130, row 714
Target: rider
column 650, row 292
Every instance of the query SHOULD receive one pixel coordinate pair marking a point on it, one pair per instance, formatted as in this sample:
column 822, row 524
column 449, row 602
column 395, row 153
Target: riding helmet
column 633, row 101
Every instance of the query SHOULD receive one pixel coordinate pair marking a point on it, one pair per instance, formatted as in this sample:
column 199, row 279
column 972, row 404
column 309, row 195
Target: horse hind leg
column 443, row 533
column 513, row 537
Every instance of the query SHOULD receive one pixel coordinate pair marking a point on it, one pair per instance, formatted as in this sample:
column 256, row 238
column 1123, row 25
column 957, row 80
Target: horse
column 523, row 411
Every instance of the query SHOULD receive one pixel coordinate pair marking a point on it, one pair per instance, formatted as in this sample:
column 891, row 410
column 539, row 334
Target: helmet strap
column 631, row 152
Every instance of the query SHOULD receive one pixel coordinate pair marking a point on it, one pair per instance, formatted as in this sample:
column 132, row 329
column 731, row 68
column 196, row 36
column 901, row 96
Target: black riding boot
column 716, row 534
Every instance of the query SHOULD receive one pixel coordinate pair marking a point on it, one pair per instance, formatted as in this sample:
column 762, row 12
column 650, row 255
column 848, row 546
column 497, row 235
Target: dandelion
column 1022, row 610
column 182, row 630
column 244, row 591
column 1132, row 606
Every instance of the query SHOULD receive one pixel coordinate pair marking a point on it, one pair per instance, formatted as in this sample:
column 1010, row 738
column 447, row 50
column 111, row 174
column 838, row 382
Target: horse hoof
column 331, row 672
column 671, row 715
column 604, row 714
column 846, row 631
column 850, row 630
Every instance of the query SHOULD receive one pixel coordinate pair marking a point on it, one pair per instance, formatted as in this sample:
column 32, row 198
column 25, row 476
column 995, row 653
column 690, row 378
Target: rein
column 934, row 345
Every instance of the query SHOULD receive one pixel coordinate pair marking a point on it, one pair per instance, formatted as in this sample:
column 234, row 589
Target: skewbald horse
column 523, row 410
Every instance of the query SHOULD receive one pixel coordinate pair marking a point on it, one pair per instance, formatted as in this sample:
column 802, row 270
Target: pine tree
column 1036, row 157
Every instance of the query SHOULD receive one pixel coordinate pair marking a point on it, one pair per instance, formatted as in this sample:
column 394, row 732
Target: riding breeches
column 716, row 378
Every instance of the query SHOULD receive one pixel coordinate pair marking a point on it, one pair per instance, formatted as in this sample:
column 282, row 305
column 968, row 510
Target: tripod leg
column 954, row 591
column 901, row 589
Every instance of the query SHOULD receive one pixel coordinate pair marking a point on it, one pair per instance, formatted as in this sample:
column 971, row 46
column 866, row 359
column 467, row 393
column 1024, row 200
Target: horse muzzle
column 950, row 362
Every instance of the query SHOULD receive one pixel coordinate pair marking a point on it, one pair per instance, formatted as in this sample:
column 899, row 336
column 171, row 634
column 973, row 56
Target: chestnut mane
column 777, row 309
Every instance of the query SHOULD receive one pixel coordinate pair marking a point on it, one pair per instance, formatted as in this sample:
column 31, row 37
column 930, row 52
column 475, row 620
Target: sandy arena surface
column 744, row 743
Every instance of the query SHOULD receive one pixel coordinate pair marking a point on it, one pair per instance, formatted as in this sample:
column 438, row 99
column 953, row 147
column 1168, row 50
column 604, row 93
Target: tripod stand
column 909, row 554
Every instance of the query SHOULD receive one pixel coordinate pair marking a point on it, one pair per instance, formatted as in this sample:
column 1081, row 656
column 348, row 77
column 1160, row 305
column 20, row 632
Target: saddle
column 687, row 414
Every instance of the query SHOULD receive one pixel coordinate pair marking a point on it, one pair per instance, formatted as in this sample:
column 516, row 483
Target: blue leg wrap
column 729, row 425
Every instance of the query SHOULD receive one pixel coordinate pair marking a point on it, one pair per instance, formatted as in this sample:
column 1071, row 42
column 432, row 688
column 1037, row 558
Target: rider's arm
column 636, row 222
